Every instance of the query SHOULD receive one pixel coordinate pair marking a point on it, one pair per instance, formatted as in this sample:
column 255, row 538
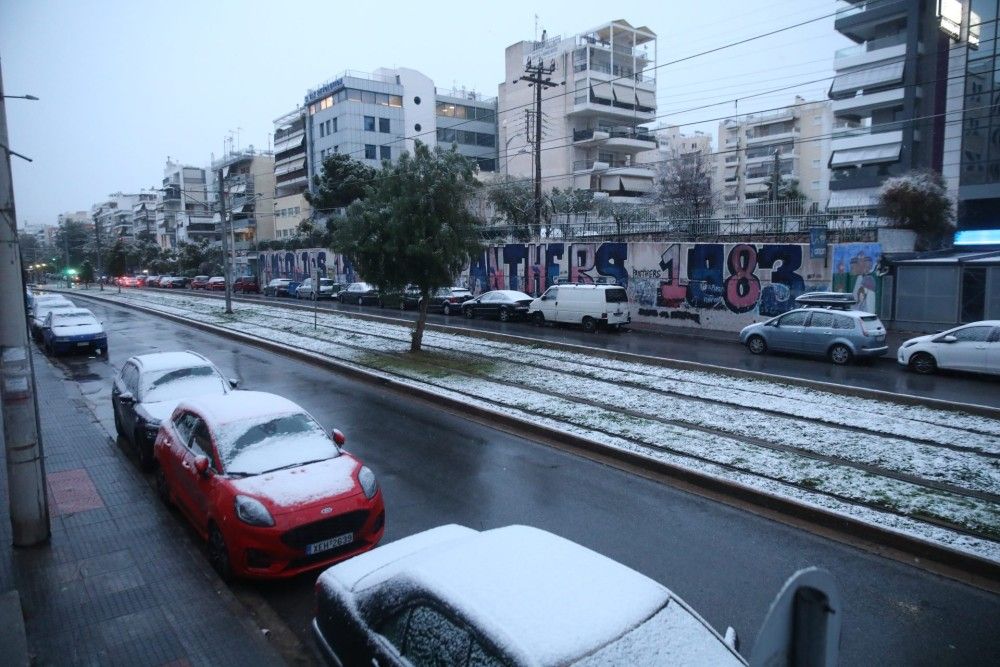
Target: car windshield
column 181, row 383
column 325, row 282
column 253, row 447
column 73, row 320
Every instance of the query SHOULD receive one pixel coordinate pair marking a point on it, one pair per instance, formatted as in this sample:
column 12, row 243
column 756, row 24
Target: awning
column 646, row 98
column 616, row 183
column 866, row 155
column 849, row 83
column 601, row 90
column 857, row 198
column 288, row 144
column 237, row 188
column 624, row 93
column 225, row 171
column 243, row 208
column 289, row 167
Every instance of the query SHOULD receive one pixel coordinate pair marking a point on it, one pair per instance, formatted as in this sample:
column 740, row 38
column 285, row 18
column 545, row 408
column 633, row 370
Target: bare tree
column 683, row 188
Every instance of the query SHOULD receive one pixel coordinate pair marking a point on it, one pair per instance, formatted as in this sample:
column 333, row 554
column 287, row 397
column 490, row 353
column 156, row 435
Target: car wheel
column 538, row 318
column 468, row 313
column 923, row 363
column 218, row 554
column 504, row 315
column 162, row 490
column 757, row 345
column 144, row 451
column 840, row 354
column 589, row 324
column 446, row 309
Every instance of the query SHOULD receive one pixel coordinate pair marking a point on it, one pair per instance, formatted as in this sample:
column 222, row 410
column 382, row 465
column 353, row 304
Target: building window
column 334, row 124
column 368, row 96
column 417, row 128
column 336, row 149
column 322, row 129
column 328, row 123
column 384, row 153
column 383, row 125
column 369, row 151
column 369, row 123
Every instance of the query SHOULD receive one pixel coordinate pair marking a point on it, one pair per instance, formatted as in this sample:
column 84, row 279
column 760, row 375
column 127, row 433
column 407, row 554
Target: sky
column 123, row 84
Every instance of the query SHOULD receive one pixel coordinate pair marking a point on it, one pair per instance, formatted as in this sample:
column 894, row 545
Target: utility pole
column 97, row 232
column 226, row 267
column 538, row 75
column 29, row 503
column 69, row 284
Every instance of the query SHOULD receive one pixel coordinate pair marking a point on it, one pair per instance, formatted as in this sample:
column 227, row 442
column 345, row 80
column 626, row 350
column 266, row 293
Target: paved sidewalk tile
column 121, row 582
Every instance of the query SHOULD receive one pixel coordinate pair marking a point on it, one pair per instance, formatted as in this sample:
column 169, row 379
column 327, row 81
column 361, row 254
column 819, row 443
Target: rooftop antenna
column 536, row 27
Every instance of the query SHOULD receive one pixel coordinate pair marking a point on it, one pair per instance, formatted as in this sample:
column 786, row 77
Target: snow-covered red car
column 266, row 486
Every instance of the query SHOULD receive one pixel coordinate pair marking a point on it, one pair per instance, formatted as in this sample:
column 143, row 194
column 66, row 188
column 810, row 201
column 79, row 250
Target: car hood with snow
column 301, row 487
column 93, row 328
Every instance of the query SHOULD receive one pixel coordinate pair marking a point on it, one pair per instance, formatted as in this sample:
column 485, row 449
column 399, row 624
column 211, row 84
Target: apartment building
column 184, row 212
column 377, row 116
column 798, row 134
column 291, row 175
column 116, row 215
column 892, row 84
column 248, row 178
column 592, row 126
column 144, row 216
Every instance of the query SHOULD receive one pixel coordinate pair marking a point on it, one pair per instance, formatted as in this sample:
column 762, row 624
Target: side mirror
column 946, row 339
column 338, row 437
column 544, row 297
column 201, row 465
column 126, row 397
column 233, row 382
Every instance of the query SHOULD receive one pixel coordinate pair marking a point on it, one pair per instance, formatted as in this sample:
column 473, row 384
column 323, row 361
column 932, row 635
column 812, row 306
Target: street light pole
column 226, row 265
column 29, row 503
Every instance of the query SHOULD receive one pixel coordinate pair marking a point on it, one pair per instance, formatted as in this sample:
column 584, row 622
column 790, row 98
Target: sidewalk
column 121, row 581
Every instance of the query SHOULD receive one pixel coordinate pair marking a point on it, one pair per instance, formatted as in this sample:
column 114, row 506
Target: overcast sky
column 126, row 83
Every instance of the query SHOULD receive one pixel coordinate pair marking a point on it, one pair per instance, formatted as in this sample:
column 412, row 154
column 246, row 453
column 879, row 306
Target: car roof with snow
column 542, row 598
column 71, row 312
column 50, row 298
column 512, row 294
column 240, row 405
column 168, row 361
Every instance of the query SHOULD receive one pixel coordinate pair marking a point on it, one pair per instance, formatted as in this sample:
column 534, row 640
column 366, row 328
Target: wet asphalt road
column 722, row 349
column 437, row 468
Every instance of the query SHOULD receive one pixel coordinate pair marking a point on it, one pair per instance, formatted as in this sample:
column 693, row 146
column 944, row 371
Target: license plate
column 880, row 339
column 332, row 543
column 84, row 344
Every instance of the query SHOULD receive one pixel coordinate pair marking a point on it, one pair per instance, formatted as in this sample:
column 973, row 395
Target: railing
column 614, row 133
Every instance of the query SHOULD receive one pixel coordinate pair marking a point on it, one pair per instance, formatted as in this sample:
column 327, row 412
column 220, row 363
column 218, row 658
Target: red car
column 216, row 283
column 246, row 285
column 199, row 282
column 266, row 486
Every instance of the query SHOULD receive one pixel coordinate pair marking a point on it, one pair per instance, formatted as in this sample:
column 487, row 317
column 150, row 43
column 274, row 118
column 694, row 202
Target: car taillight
column 453, row 299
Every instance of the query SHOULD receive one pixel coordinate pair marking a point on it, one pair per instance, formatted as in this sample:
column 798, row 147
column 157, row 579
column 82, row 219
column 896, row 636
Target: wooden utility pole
column 227, row 272
column 538, row 75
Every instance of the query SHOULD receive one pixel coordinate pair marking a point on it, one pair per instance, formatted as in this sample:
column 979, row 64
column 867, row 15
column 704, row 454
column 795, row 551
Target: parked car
column 405, row 299
column 175, row 282
column 199, row 282
column 246, row 285
column 152, row 281
column 148, row 388
column 216, row 284
column 36, row 300
column 972, row 347
column 839, row 335
column 73, row 330
column 518, row 596
column 449, row 300
column 589, row 306
column 43, row 306
column 140, row 281
column 360, row 294
column 502, row 304
column 277, row 287
column 327, row 289
column 266, row 486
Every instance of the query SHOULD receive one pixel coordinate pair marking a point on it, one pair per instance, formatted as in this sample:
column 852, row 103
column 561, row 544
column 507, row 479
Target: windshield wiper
column 292, row 465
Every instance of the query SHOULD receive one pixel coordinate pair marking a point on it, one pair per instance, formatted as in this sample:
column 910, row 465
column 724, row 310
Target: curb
column 921, row 553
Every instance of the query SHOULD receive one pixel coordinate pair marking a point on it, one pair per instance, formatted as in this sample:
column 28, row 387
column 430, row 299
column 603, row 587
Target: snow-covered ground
column 930, row 473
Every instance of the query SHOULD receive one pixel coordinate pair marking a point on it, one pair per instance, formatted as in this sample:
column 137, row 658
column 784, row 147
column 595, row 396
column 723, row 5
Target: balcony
column 860, row 20
column 789, row 135
column 862, row 137
column 871, row 52
column 630, row 140
column 623, row 180
column 864, row 104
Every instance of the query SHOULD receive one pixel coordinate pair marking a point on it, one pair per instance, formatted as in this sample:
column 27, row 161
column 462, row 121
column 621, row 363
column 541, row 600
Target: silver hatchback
column 839, row 335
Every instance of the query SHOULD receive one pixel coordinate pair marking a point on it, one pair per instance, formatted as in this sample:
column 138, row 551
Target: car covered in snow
column 509, row 596
column 973, row 347
column 273, row 493
column 150, row 386
column 73, row 330
column 40, row 309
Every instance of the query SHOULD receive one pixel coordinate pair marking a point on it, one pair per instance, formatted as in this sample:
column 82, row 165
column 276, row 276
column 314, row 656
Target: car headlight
column 252, row 511
column 368, row 483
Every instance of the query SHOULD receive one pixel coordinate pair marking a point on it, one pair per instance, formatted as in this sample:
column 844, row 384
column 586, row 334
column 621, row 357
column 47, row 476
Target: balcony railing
column 587, row 165
column 615, row 133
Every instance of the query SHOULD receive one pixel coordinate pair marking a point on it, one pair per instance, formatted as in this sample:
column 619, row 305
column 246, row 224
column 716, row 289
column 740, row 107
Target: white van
column 586, row 305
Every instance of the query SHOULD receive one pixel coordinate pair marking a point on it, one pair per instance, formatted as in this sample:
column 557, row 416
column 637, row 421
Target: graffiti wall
column 299, row 264
column 855, row 270
column 707, row 285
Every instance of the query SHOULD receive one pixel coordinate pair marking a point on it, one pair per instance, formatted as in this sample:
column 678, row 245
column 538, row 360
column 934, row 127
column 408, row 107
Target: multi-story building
column 377, row 116
column 592, row 127
column 115, row 215
column 974, row 128
column 248, row 183
column 892, row 84
column 798, row 134
column 291, row 175
column 183, row 213
column 144, row 216
column 674, row 145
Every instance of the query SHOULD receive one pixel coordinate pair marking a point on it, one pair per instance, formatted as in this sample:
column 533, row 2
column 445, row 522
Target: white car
column 970, row 347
